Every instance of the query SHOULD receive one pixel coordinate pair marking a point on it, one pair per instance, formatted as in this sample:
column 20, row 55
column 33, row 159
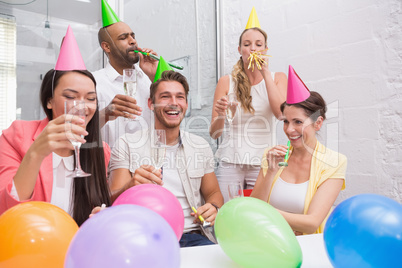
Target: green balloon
column 254, row 234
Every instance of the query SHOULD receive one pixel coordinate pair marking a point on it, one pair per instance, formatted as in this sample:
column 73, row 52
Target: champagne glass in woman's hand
column 130, row 82
column 75, row 108
column 158, row 147
column 231, row 109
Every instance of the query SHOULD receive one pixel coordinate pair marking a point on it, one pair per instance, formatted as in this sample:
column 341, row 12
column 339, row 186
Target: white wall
column 350, row 51
column 176, row 29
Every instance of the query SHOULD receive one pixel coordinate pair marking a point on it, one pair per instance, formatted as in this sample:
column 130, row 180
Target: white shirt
column 289, row 197
column 172, row 182
column 62, row 183
column 109, row 83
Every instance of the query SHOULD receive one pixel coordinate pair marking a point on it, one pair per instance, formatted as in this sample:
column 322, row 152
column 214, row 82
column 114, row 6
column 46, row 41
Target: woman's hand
column 265, row 66
column 221, row 105
column 276, row 155
column 56, row 133
column 97, row 210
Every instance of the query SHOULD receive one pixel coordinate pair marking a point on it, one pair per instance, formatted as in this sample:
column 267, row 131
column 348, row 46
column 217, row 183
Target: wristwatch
column 217, row 208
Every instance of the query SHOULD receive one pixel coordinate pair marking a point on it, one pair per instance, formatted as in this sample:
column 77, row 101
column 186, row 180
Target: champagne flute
column 75, row 108
column 158, row 147
column 130, row 82
column 231, row 109
column 235, row 190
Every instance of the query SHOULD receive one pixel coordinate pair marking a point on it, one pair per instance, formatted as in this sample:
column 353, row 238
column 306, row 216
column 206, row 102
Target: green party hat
column 108, row 15
column 162, row 66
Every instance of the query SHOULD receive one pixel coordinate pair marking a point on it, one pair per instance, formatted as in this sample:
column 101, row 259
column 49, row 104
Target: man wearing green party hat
column 118, row 42
column 188, row 167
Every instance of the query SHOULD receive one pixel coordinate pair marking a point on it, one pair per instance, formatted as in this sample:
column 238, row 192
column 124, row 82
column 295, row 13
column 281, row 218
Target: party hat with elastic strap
column 162, row 66
column 70, row 56
column 108, row 15
column 297, row 90
column 253, row 20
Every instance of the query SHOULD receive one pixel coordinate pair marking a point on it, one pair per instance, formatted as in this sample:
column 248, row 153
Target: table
column 313, row 249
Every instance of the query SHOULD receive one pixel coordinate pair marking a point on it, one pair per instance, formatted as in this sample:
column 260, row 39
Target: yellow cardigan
column 325, row 164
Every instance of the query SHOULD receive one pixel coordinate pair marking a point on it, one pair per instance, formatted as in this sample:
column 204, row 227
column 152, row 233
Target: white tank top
column 289, row 197
column 251, row 133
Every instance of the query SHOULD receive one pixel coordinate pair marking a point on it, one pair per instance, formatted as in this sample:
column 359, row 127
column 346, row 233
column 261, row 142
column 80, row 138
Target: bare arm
column 212, row 195
column 219, row 108
column 319, row 208
column 276, row 90
column 52, row 138
column 263, row 185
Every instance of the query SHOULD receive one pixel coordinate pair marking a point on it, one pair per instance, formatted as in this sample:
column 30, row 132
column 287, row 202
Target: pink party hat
column 297, row 90
column 70, row 56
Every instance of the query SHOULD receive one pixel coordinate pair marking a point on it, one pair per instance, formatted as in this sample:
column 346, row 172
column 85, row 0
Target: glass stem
column 77, row 157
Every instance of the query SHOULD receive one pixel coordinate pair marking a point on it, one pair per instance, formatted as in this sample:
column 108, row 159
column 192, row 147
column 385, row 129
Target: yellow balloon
column 35, row 234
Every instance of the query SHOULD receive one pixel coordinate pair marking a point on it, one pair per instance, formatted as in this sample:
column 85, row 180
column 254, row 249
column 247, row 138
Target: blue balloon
column 124, row 236
column 365, row 231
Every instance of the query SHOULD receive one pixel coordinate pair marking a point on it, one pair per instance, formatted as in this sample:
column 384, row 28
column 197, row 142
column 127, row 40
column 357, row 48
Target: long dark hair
column 90, row 191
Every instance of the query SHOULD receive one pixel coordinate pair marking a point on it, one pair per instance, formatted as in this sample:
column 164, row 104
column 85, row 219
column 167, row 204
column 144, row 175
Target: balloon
column 35, row 234
column 124, row 236
column 365, row 231
column 158, row 199
column 254, row 234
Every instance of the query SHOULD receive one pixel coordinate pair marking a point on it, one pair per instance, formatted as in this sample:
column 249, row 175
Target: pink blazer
column 14, row 143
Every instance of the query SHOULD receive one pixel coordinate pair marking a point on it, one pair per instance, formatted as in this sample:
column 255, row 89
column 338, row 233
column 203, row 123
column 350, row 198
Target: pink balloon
column 158, row 199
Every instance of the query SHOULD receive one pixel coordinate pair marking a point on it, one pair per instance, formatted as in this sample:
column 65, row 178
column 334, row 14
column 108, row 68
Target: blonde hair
column 242, row 83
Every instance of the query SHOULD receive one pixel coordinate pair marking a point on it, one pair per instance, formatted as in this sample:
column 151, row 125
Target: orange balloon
column 35, row 234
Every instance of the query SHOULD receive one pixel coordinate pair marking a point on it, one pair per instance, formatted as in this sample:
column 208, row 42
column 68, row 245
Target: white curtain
column 8, row 80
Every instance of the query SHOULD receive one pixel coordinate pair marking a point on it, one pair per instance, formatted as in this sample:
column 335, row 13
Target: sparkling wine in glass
column 231, row 109
column 235, row 190
column 75, row 108
column 158, row 147
column 130, row 82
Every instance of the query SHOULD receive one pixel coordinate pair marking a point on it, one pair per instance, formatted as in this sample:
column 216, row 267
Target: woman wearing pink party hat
column 259, row 94
column 306, row 188
column 37, row 157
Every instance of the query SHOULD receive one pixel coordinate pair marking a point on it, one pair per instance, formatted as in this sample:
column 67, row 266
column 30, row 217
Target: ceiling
column 80, row 11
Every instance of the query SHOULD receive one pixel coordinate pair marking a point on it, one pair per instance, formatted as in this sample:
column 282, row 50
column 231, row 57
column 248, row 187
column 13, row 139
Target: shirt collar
column 112, row 74
column 68, row 161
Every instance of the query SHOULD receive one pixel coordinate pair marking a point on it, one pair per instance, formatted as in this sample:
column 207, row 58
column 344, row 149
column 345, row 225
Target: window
column 8, row 79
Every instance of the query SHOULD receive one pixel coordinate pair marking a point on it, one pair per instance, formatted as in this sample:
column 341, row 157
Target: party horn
column 157, row 58
column 285, row 164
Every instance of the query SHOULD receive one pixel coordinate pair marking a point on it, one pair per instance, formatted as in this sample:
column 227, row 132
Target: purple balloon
column 124, row 236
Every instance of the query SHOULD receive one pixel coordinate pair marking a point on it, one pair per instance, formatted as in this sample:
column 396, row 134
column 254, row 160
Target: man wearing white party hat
column 119, row 110
column 305, row 189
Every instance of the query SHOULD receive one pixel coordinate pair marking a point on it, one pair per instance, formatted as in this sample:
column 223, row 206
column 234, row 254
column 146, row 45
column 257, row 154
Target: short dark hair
column 314, row 106
column 169, row 76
